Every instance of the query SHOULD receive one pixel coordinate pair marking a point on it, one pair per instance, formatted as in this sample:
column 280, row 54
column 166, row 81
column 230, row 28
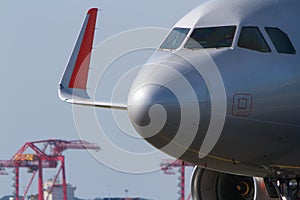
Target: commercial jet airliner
column 222, row 92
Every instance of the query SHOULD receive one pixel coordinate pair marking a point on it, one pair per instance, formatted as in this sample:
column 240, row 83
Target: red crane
column 167, row 166
column 46, row 154
column 29, row 161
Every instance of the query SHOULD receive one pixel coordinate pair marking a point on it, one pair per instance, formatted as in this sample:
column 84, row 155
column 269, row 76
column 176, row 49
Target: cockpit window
column 213, row 37
column 281, row 41
column 252, row 38
column 175, row 38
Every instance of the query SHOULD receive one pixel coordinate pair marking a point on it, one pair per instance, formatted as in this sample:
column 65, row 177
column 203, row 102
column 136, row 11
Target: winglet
column 72, row 87
column 74, row 80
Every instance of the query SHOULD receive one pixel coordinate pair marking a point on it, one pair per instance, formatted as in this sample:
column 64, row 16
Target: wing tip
column 72, row 87
column 92, row 11
column 74, row 79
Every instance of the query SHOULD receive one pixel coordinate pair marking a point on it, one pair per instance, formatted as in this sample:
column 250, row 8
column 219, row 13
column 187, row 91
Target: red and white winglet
column 72, row 87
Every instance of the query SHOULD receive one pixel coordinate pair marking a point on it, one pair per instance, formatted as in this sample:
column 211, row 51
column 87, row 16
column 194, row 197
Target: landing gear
column 284, row 189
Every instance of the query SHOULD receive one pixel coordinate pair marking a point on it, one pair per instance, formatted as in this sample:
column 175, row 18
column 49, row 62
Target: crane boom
column 27, row 164
column 60, row 146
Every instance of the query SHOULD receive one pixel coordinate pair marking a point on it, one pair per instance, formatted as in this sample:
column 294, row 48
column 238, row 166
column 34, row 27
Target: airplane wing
column 72, row 87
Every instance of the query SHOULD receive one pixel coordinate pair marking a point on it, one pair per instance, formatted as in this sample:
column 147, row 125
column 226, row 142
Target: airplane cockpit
column 249, row 37
column 200, row 38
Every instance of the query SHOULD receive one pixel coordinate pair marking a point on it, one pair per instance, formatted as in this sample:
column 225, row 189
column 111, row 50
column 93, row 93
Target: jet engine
column 207, row 184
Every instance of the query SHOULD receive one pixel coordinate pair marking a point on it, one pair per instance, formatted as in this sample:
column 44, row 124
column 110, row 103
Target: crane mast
column 167, row 166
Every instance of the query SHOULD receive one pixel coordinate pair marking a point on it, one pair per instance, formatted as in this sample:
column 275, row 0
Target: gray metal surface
column 262, row 121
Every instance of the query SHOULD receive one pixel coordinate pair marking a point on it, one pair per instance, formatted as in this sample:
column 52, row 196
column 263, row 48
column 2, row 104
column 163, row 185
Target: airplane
column 220, row 92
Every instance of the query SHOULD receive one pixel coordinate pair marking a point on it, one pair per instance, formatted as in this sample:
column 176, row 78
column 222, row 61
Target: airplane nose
column 154, row 109
column 164, row 105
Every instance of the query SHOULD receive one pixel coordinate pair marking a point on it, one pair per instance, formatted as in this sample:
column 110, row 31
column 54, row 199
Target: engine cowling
column 211, row 185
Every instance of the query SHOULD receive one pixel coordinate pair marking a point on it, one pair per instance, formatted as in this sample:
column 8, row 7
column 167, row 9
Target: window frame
column 293, row 51
column 269, row 50
column 162, row 47
column 194, row 29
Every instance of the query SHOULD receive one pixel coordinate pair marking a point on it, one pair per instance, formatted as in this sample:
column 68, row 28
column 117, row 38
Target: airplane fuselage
column 259, row 116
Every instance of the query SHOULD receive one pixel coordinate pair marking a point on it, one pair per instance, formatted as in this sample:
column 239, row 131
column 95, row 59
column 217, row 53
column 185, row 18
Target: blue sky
column 36, row 39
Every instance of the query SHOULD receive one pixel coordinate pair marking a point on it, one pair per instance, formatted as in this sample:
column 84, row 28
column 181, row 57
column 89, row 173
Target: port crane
column 43, row 154
column 167, row 166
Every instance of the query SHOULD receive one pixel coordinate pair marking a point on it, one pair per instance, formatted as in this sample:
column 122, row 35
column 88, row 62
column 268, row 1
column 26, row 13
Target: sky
column 36, row 40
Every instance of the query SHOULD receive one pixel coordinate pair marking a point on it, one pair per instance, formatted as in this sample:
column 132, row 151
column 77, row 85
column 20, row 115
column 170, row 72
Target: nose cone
column 164, row 105
column 153, row 110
